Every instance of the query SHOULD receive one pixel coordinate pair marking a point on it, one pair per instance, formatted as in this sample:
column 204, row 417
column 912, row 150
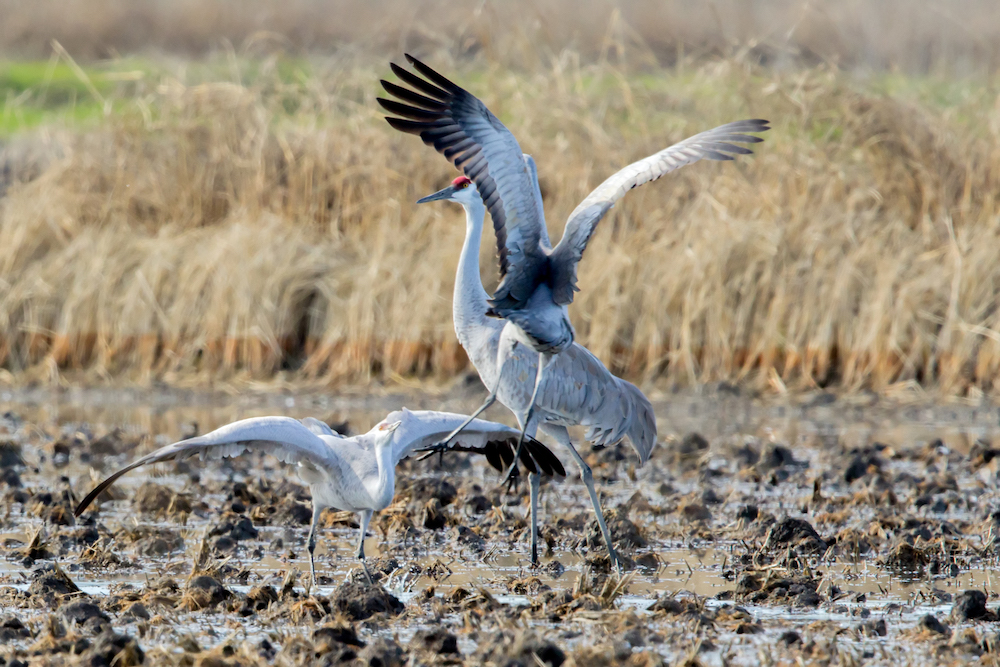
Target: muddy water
column 821, row 417
column 699, row 566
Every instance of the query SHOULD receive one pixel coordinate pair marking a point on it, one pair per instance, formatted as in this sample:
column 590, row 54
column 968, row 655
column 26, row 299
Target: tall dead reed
column 228, row 230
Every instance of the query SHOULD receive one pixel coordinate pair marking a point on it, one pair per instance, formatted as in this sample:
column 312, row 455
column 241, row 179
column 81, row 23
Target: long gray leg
column 506, row 347
column 533, row 480
column 490, row 400
column 562, row 435
column 311, row 542
column 366, row 517
column 543, row 361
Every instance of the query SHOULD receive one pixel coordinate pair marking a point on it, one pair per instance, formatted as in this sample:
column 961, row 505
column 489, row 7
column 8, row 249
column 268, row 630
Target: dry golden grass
column 912, row 35
column 242, row 231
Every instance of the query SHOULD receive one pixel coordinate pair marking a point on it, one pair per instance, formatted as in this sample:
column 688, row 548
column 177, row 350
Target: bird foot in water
column 616, row 564
column 368, row 579
column 368, row 574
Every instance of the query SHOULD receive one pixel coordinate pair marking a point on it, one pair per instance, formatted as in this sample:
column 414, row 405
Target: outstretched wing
column 461, row 128
column 320, row 427
column 714, row 144
column 422, row 428
column 286, row 439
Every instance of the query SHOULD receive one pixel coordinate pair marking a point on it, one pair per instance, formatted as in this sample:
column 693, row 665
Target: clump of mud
column 207, row 561
column 359, row 601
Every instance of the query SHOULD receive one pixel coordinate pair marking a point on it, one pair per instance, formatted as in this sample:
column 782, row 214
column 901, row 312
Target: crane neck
column 386, row 463
column 469, row 304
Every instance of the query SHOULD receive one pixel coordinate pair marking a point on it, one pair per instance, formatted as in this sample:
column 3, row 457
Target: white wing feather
column 422, row 428
column 287, row 439
column 712, row 145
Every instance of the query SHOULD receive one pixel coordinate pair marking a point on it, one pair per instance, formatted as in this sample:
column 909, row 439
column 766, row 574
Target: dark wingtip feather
column 407, row 126
column 732, row 148
column 407, row 111
column 506, row 452
column 493, row 458
column 546, row 460
column 413, row 98
column 98, row 490
column 526, row 460
column 85, row 503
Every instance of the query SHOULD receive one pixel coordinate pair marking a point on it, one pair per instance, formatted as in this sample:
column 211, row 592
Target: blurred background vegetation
column 205, row 192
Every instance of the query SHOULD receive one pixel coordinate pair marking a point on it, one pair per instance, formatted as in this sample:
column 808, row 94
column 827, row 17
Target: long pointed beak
column 439, row 195
column 389, row 426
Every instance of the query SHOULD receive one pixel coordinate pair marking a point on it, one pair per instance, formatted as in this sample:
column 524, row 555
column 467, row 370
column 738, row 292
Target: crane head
column 384, row 432
column 461, row 190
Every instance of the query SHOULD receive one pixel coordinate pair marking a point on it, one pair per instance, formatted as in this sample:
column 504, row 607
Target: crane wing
column 462, row 129
column 320, row 427
column 713, row 144
column 422, row 428
column 286, row 439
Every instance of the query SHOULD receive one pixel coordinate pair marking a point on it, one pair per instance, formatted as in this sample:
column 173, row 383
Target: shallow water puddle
column 809, row 419
column 699, row 562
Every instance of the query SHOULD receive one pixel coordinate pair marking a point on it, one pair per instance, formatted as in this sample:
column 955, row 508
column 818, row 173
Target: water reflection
column 815, row 419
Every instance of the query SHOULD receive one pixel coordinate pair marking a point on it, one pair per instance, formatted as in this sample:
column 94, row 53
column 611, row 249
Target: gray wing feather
column 285, row 438
column 543, row 232
column 577, row 389
column 710, row 145
column 460, row 127
column 320, row 427
column 419, row 429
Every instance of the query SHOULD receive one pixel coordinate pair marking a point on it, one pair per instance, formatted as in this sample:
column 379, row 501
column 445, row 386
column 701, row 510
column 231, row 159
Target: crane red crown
column 461, row 181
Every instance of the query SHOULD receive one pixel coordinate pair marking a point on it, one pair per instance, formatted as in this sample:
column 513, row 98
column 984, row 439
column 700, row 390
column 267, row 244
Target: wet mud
column 755, row 535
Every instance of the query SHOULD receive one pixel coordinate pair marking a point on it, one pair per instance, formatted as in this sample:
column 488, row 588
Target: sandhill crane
column 355, row 474
column 537, row 280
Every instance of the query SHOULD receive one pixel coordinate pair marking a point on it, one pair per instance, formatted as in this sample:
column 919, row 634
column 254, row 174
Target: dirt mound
column 50, row 583
column 359, row 601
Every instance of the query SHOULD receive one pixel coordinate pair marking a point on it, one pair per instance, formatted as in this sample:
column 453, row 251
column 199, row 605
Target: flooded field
column 815, row 530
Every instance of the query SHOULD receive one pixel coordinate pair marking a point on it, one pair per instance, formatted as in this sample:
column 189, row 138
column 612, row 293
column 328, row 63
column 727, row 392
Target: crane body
column 538, row 280
column 355, row 474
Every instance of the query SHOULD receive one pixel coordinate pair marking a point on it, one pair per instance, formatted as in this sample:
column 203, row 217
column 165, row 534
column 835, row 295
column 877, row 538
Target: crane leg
column 443, row 444
column 506, row 348
column 533, row 480
column 311, row 543
column 366, row 517
column 588, row 479
column 543, row 361
column 533, row 483
column 490, row 400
